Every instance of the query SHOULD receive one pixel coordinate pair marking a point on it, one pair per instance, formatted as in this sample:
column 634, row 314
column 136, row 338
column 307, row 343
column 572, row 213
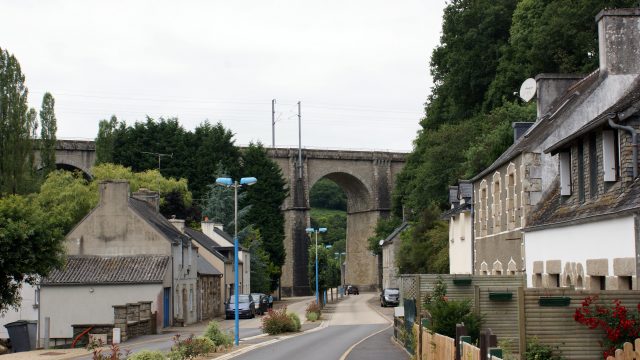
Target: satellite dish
column 381, row 242
column 528, row 89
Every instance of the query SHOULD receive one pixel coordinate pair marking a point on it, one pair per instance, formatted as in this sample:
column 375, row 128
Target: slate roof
column 206, row 242
column 158, row 221
column 455, row 210
column 87, row 270
column 395, row 233
column 552, row 211
column 205, row 268
column 630, row 101
column 539, row 131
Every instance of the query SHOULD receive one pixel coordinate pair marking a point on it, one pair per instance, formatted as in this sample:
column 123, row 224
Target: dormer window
column 609, row 155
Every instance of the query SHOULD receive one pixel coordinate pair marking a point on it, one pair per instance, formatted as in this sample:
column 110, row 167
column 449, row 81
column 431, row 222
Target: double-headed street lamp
column 227, row 182
column 311, row 231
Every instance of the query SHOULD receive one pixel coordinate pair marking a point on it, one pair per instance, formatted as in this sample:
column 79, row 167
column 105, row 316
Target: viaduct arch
column 366, row 177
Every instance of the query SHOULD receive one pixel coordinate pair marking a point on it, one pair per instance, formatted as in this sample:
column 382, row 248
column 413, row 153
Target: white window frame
column 609, row 164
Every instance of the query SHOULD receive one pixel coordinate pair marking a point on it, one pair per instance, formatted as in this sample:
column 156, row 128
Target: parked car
column 246, row 307
column 262, row 302
column 353, row 290
column 390, row 296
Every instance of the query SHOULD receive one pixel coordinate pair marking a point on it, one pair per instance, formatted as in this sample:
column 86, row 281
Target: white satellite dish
column 528, row 89
column 381, row 242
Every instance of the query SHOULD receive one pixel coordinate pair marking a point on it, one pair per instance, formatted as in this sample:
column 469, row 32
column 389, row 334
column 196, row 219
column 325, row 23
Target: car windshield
column 392, row 291
column 241, row 299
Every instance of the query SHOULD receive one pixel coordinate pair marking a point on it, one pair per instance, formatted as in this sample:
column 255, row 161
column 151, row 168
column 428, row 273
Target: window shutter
column 608, row 156
column 565, row 173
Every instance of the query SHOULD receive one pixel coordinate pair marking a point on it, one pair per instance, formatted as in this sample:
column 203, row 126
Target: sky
column 360, row 68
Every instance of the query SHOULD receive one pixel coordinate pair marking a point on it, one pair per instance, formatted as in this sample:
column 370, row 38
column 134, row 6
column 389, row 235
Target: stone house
column 584, row 231
column 224, row 245
column 389, row 247
column 460, row 228
column 123, row 251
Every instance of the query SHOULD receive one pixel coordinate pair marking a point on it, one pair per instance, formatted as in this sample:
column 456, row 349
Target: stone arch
column 73, row 168
column 358, row 194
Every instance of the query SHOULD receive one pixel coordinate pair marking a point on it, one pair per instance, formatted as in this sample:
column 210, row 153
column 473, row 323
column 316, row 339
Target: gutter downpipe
column 634, row 140
column 473, row 232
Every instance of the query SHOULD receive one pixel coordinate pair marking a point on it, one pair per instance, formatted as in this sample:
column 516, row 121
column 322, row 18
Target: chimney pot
column 619, row 41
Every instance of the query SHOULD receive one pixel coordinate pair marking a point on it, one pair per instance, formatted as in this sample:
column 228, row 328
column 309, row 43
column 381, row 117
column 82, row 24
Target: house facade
column 583, row 233
column 128, row 233
column 460, row 228
column 389, row 248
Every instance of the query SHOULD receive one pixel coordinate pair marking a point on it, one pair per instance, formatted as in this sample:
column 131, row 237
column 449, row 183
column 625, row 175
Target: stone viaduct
column 366, row 177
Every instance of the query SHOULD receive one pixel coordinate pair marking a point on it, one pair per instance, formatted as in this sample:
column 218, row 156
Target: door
column 166, row 302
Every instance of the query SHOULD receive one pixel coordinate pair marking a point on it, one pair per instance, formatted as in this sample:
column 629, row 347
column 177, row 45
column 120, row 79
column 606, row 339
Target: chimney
column 179, row 224
column 550, row 87
column 465, row 190
column 453, row 196
column 519, row 128
column 619, row 41
column 150, row 197
column 114, row 195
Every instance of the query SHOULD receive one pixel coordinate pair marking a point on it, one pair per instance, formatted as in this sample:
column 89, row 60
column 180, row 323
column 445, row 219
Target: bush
column 190, row 347
column 278, row 322
column 311, row 316
column 314, row 307
column 217, row 336
column 538, row 351
column 445, row 313
column 147, row 355
column 295, row 319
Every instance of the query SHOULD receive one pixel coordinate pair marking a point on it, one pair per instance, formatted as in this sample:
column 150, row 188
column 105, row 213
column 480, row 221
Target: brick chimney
column 619, row 41
column 148, row 196
column 114, row 195
column 549, row 87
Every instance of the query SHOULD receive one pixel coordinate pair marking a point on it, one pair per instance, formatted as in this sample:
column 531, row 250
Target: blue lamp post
column 227, row 182
column 316, row 231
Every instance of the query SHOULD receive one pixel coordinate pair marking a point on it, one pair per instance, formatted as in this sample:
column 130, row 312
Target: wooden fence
column 470, row 352
column 627, row 352
column 437, row 347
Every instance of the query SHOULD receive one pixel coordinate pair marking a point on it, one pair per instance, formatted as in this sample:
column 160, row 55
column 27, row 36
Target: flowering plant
column 619, row 324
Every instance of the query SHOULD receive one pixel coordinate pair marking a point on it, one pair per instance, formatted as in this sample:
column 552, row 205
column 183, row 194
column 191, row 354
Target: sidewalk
column 294, row 304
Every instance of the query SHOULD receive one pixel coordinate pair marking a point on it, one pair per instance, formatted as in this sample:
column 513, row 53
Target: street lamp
column 340, row 255
column 311, row 231
column 227, row 182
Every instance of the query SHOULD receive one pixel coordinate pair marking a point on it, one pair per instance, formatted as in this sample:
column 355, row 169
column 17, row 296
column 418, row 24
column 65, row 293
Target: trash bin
column 22, row 334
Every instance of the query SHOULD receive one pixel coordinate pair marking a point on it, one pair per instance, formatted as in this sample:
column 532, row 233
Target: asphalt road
column 352, row 329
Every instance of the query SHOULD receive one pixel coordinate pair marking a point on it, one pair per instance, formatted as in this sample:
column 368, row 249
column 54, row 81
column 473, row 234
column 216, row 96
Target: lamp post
column 227, row 182
column 316, row 231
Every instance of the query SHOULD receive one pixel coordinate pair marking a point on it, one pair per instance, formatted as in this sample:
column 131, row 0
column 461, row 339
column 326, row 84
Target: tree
column 326, row 194
column 260, row 264
column 17, row 127
column 328, row 268
column 48, row 128
column 384, row 228
column 424, row 247
column 30, row 246
column 218, row 203
column 266, row 198
column 105, row 141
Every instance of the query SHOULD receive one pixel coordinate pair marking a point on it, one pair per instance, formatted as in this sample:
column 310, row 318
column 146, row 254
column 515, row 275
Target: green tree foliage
column 30, row 246
column 326, row 194
column 218, row 203
column 18, row 125
column 105, row 141
column 424, row 246
column 67, row 197
column 384, row 228
column 261, row 266
column 48, row 128
column 336, row 223
column 265, row 198
column 328, row 268
column 548, row 36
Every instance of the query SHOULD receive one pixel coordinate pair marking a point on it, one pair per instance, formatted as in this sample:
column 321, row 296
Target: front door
column 166, row 302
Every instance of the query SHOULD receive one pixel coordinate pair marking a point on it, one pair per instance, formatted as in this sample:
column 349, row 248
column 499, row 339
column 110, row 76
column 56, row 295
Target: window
column 625, row 283
column 191, row 299
column 593, row 166
column 512, row 200
column 609, row 155
column 581, row 189
column 496, row 207
column 565, row 173
column 554, row 280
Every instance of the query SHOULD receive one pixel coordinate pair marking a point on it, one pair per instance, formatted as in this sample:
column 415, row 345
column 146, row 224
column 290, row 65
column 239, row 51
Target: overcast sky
column 359, row 67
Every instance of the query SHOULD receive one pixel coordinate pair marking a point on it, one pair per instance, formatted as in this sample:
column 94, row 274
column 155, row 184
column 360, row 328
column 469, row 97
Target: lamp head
column 310, row 230
column 224, row 181
column 248, row 181
column 328, row 246
column 322, row 230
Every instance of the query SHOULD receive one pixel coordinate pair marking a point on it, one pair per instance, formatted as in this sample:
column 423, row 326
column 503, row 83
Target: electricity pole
column 299, row 142
column 273, row 123
column 159, row 155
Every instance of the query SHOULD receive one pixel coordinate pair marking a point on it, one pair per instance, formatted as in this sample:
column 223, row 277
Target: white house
column 460, row 228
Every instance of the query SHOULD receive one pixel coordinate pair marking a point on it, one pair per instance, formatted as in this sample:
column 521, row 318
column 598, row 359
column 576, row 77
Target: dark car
column 353, row 290
column 246, row 308
column 390, row 296
column 262, row 303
